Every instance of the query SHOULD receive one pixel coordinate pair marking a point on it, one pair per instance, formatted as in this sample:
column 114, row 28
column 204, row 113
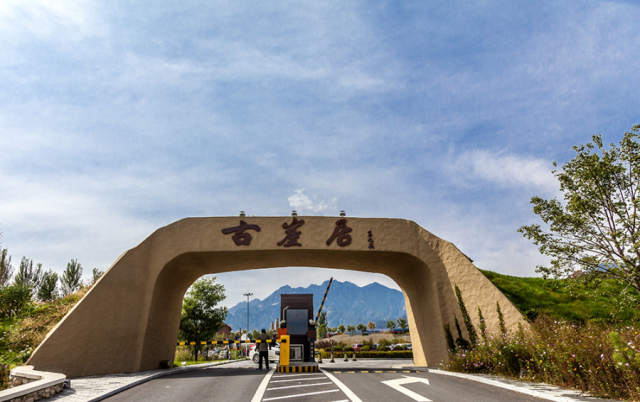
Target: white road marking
column 263, row 386
column 299, row 395
column 300, row 379
column 301, row 385
column 397, row 385
column 293, row 375
column 353, row 397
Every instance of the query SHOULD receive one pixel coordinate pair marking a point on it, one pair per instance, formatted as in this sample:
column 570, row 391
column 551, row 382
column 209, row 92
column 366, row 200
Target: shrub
column 596, row 358
column 407, row 354
column 15, row 301
column 31, row 330
column 325, row 343
column 338, row 348
column 4, row 376
column 365, row 348
column 384, row 342
column 383, row 348
column 348, row 349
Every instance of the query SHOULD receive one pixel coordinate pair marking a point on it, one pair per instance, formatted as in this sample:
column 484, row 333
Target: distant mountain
column 346, row 304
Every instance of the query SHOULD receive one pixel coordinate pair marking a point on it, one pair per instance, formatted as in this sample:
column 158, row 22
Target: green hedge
column 403, row 354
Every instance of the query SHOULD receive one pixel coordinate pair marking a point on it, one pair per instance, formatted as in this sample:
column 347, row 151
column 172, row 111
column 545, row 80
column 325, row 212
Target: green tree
column 473, row 335
column 341, row 328
column 371, row 325
column 594, row 233
column 70, row 280
column 460, row 341
column 201, row 318
column 391, row 325
column 351, row 329
column 6, row 269
column 95, row 275
column 48, row 285
column 483, row 325
column 28, row 276
column 503, row 327
column 323, row 325
column 450, row 343
column 402, row 323
column 361, row 327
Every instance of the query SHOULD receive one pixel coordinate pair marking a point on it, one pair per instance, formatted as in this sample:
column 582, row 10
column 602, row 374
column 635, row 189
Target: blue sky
column 118, row 117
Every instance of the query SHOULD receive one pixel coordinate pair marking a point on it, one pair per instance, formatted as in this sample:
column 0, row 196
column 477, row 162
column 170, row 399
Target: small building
column 225, row 330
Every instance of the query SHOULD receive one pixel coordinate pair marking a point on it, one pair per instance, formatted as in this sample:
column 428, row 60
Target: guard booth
column 296, row 314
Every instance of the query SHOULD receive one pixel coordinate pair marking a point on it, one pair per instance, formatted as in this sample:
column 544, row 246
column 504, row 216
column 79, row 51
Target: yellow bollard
column 284, row 350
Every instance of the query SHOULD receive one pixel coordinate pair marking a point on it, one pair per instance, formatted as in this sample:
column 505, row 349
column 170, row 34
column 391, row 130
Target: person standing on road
column 263, row 349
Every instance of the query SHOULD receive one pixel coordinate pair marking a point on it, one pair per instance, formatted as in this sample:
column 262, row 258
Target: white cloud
column 508, row 170
column 301, row 202
column 47, row 18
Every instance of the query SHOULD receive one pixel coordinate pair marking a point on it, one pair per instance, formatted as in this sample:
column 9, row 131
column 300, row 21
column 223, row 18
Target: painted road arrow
column 397, row 384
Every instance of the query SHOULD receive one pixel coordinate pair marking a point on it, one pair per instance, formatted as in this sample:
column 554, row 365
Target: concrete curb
column 43, row 379
column 154, row 376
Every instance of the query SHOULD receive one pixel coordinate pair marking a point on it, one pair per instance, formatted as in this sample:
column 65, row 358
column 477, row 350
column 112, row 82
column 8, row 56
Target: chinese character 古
column 340, row 232
column 292, row 234
column 241, row 238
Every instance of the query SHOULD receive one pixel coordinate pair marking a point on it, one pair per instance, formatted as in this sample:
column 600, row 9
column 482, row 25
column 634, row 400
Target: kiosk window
column 297, row 321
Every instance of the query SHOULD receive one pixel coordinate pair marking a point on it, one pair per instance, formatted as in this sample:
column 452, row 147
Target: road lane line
column 301, row 385
column 353, row 397
column 299, row 395
column 263, row 386
column 300, row 379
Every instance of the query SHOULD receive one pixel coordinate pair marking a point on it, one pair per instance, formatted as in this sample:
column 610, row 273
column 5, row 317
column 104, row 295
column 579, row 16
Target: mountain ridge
column 346, row 303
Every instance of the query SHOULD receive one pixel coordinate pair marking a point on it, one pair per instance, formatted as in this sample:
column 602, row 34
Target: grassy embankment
column 19, row 336
column 575, row 339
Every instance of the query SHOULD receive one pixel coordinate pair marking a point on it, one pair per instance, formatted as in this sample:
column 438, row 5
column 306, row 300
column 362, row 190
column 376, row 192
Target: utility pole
column 248, row 295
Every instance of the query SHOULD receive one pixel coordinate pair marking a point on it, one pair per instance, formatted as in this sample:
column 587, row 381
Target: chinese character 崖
column 340, row 232
column 292, row 234
column 241, row 238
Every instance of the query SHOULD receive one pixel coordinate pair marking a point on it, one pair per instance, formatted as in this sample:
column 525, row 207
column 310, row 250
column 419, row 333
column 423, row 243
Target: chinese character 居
column 340, row 232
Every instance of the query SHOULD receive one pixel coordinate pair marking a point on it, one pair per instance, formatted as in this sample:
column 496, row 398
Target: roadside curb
column 153, row 376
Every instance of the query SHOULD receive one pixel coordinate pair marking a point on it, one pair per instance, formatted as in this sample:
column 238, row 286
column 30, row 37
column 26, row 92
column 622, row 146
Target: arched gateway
column 129, row 321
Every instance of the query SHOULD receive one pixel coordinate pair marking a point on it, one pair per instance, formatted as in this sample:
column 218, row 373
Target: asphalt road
column 241, row 382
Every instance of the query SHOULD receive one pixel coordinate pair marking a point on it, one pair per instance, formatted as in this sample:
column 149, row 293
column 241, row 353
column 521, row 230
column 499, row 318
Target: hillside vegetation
column 553, row 298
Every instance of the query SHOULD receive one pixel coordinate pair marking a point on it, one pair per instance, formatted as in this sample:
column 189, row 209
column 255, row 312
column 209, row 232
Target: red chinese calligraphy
column 340, row 232
column 241, row 238
column 292, row 234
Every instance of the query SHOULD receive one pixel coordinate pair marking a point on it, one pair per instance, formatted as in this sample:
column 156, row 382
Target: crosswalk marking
column 299, row 395
column 301, row 385
column 300, row 379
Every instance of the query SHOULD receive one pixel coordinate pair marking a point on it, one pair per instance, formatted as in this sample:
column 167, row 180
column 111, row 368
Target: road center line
column 299, row 395
column 347, row 391
column 301, row 385
column 263, row 386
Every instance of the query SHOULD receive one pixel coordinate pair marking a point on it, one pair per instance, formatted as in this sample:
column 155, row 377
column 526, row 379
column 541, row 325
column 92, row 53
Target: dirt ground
column 349, row 340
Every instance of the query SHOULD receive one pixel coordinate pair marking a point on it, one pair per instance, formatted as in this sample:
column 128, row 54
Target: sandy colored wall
column 128, row 322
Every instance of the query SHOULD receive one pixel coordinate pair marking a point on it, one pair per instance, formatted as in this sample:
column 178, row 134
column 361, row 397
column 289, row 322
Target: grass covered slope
column 553, row 298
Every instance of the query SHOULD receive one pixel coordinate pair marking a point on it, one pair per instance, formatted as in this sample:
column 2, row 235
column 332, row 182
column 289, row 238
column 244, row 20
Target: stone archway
column 128, row 322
